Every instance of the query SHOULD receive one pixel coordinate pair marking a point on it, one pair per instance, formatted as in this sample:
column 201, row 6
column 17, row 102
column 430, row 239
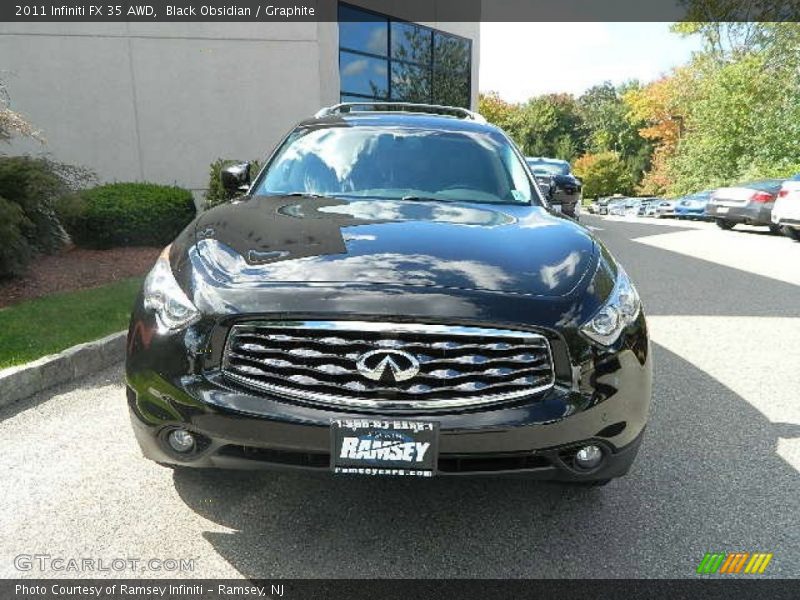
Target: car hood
column 262, row 240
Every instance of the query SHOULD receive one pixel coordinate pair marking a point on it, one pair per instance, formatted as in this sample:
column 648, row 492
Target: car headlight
column 164, row 296
column 620, row 310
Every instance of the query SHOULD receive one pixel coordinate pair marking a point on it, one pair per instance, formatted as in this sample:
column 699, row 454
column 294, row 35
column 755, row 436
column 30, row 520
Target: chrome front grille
column 318, row 361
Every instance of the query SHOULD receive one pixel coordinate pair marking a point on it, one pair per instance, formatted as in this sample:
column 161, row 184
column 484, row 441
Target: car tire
column 775, row 230
column 723, row 224
column 791, row 232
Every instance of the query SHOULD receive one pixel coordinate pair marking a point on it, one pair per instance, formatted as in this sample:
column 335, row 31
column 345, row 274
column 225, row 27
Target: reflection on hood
column 515, row 249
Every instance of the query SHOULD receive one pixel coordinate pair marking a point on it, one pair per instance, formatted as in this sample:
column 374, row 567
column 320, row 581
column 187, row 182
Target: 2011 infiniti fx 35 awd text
column 390, row 296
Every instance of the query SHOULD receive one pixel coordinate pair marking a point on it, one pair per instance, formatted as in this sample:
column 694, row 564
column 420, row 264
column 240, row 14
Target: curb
column 31, row 378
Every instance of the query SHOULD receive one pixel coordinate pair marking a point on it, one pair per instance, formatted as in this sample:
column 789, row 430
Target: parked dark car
column 390, row 297
column 748, row 203
column 544, row 180
column 564, row 188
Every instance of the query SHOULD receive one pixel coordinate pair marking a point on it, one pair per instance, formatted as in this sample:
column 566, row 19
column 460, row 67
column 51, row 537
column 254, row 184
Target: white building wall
column 159, row 102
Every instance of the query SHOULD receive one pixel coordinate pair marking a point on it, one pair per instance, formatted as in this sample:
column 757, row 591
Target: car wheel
column 791, row 232
column 775, row 229
column 723, row 224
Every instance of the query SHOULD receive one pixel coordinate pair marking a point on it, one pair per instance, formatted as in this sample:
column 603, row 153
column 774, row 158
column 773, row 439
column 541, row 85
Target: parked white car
column 665, row 208
column 786, row 211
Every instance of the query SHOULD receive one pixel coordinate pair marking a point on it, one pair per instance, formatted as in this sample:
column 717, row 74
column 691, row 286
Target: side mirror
column 236, row 178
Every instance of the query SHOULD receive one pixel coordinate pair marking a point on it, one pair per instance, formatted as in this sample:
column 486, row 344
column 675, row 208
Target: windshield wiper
column 421, row 199
column 307, row 195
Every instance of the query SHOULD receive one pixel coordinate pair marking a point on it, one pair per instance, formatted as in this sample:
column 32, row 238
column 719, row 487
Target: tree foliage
column 562, row 126
column 732, row 113
column 11, row 122
column 603, row 174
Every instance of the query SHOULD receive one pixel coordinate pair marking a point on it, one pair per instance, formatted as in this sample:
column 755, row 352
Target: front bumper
column 682, row 211
column 604, row 399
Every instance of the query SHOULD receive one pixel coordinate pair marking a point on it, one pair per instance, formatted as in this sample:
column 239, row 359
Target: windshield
column 699, row 196
column 399, row 163
column 548, row 168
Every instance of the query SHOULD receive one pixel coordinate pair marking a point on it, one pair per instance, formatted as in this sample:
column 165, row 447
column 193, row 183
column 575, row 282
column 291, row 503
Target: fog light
column 181, row 441
column 588, row 457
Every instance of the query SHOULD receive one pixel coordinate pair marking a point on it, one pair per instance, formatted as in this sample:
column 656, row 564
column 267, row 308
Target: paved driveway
column 718, row 470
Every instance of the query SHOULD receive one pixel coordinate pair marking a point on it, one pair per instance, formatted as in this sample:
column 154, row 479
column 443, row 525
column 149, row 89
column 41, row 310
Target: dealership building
column 159, row 102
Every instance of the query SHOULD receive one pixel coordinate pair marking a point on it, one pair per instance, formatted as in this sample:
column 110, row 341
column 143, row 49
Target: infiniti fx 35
column 390, row 296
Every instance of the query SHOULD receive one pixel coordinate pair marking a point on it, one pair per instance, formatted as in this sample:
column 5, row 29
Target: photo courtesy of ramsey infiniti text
column 390, row 295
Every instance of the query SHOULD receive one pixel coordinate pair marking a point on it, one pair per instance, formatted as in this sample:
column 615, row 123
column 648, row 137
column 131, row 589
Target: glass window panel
column 411, row 42
column 451, row 89
column 451, row 53
column 370, row 33
column 410, row 83
column 352, row 98
column 363, row 75
column 451, row 70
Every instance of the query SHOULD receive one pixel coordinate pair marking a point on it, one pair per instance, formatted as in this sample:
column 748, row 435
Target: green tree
column 608, row 126
column 603, row 174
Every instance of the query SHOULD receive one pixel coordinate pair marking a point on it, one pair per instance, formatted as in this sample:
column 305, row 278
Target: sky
column 520, row 60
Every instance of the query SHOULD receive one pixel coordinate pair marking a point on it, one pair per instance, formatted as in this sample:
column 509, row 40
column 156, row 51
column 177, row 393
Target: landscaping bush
column 126, row 214
column 216, row 194
column 30, row 188
column 34, row 184
column 15, row 251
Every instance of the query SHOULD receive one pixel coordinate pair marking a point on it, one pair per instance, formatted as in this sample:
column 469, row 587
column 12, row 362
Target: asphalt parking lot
column 718, row 470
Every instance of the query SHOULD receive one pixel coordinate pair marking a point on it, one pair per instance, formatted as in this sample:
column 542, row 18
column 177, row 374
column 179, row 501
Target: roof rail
column 409, row 107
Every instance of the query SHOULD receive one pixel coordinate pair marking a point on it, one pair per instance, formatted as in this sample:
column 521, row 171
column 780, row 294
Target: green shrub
column 34, row 184
column 126, row 214
column 216, row 194
column 15, row 251
column 30, row 188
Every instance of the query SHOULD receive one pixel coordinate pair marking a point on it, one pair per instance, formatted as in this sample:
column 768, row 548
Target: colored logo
column 732, row 563
column 389, row 366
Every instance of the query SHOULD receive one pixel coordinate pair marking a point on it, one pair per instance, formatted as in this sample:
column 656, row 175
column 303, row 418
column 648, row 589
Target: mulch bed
column 77, row 269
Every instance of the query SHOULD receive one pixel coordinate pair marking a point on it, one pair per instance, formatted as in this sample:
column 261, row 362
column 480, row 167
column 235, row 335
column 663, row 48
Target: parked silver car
column 665, row 208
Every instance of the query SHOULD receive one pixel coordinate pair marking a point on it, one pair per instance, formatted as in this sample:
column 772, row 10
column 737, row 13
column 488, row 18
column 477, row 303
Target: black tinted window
column 399, row 163
column 363, row 31
column 363, row 75
column 385, row 59
column 411, row 43
column 451, row 70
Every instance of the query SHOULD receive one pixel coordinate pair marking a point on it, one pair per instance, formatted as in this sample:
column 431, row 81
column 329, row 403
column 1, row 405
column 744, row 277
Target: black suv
column 562, row 189
column 390, row 297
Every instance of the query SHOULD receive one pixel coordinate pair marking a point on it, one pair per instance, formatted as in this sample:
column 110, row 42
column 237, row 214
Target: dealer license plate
column 721, row 210
column 384, row 447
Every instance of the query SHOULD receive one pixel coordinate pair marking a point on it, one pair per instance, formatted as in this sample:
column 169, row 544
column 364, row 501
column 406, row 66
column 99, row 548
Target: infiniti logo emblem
column 387, row 365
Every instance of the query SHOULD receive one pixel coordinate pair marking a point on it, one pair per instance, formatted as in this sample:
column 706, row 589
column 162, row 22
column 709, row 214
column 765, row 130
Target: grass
column 32, row 329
